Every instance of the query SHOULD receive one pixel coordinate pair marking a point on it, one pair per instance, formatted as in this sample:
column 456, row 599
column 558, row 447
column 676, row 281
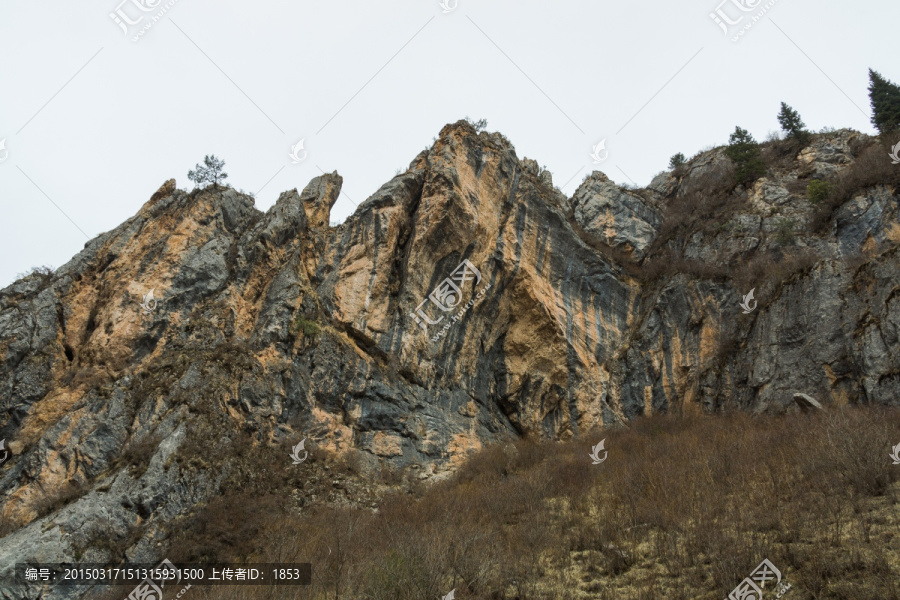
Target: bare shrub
column 860, row 450
column 138, row 452
column 873, row 167
column 683, row 502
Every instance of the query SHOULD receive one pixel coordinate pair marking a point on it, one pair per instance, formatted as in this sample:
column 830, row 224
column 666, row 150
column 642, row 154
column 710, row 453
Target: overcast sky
column 94, row 122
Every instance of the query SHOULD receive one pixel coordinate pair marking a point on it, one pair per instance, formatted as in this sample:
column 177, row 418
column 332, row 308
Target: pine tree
column 744, row 152
column 885, row 98
column 676, row 161
column 792, row 124
column 479, row 125
column 211, row 173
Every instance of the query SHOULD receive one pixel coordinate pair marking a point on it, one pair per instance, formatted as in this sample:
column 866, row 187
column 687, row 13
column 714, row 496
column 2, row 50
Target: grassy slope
column 683, row 507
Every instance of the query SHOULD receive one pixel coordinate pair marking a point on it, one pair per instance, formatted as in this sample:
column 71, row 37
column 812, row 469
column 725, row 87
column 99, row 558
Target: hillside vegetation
column 682, row 508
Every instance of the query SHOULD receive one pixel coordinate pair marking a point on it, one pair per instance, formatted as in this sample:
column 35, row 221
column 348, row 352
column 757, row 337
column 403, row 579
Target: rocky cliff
column 467, row 301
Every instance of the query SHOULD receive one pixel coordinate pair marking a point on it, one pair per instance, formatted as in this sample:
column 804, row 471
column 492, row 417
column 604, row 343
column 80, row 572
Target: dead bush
column 860, row 451
column 694, row 501
column 873, row 167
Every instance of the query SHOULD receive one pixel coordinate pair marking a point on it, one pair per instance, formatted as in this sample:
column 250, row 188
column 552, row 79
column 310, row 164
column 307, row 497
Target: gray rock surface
column 618, row 218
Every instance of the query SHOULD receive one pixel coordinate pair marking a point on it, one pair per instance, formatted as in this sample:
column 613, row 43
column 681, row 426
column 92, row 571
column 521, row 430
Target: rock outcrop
column 806, row 402
column 619, row 218
column 467, row 301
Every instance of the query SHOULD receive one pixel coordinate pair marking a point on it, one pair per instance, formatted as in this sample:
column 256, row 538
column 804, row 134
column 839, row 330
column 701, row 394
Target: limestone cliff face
column 465, row 302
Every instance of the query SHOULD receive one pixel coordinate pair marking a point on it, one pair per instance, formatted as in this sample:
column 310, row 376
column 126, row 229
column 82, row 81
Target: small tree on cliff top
column 744, row 152
column 210, row 172
column 885, row 98
column 792, row 124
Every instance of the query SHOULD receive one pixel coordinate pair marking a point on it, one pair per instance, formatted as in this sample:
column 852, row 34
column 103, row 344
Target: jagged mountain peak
column 466, row 302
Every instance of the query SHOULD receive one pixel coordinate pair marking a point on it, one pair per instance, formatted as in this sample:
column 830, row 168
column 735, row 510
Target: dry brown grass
column 703, row 205
column 873, row 167
column 684, row 507
column 766, row 271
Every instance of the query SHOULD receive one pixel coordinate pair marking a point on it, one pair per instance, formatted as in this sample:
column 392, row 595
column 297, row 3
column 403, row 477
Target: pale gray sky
column 95, row 122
